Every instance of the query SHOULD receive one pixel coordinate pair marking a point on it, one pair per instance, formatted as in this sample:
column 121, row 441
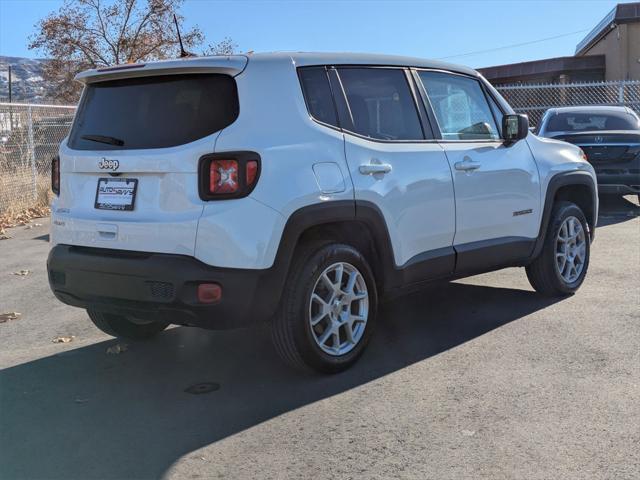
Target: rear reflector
column 223, row 176
column 209, row 293
column 251, row 171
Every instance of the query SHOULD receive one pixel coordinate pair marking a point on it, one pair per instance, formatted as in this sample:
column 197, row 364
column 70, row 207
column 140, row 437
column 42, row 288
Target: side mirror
column 514, row 127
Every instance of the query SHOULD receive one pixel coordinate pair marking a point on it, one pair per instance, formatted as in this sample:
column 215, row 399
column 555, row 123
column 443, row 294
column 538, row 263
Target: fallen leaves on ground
column 117, row 348
column 22, row 273
column 5, row 317
column 61, row 339
column 22, row 217
column 4, row 235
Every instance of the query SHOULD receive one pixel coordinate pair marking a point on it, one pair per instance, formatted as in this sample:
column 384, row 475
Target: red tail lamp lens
column 251, row 171
column 55, row 175
column 209, row 293
column 223, row 176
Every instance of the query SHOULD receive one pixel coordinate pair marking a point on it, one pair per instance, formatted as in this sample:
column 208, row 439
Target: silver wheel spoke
column 328, row 282
column 336, row 340
column 360, row 296
column 348, row 327
column 325, row 335
column 339, row 272
column 353, row 276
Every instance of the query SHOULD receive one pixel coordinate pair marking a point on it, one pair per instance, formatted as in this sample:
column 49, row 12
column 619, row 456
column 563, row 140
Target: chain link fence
column 534, row 100
column 29, row 137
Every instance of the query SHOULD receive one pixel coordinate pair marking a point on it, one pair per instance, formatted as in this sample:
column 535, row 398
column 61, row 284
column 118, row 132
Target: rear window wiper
column 104, row 139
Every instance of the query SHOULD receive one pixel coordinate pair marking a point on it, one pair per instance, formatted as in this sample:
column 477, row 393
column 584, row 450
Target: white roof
column 348, row 58
column 234, row 64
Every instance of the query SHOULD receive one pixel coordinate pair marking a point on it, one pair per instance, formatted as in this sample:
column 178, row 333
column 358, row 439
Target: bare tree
column 226, row 46
column 95, row 33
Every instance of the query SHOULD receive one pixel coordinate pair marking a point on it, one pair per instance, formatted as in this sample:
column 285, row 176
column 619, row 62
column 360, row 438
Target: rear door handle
column 373, row 168
column 466, row 165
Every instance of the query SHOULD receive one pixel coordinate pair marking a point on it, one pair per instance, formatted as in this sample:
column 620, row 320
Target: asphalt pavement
column 478, row 378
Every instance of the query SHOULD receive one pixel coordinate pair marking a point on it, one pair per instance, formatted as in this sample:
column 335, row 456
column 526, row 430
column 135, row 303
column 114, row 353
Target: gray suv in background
column 609, row 137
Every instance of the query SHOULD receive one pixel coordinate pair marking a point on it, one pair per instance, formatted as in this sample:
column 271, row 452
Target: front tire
column 562, row 265
column 328, row 309
column 120, row 326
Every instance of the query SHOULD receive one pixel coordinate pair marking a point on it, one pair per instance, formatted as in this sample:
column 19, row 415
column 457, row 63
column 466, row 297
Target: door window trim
column 427, row 101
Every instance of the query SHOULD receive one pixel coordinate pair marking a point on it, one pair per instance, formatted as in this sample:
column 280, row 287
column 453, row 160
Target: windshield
column 153, row 112
column 582, row 122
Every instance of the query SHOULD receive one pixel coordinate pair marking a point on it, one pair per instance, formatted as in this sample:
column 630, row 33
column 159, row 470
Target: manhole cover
column 204, row 387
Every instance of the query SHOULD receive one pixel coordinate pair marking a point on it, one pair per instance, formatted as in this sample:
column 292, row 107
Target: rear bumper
column 618, row 189
column 619, row 177
column 159, row 287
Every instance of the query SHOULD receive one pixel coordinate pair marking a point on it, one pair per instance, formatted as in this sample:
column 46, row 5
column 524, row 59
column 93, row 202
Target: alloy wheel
column 571, row 249
column 338, row 309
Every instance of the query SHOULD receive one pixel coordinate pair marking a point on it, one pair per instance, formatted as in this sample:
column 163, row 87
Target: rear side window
column 153, row 112
column 317, row 95
column 381, row 103
column 460, row 106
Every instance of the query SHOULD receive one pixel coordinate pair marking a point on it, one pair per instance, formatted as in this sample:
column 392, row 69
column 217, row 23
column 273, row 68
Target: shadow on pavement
column 616, row 209
column 86, row 414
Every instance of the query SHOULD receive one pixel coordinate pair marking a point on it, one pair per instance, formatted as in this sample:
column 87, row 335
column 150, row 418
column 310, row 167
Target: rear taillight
column 223, row 177
column 55, row 175
column 228, row 175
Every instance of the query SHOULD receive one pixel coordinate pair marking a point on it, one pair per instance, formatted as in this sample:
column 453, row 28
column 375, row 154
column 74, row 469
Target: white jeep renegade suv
column 300, row 189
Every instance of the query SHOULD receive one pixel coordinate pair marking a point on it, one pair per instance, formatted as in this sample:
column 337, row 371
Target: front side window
column 460, row 106
column 317, row 94
column 381, row 103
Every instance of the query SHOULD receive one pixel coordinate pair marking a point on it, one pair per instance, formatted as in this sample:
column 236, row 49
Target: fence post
column 621, row 93
column 32, row 151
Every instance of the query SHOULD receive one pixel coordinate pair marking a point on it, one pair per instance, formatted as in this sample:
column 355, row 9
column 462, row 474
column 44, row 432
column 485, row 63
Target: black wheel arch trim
column 559, row 180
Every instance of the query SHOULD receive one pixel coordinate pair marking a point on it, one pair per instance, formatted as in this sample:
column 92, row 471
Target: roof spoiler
column 227, row 64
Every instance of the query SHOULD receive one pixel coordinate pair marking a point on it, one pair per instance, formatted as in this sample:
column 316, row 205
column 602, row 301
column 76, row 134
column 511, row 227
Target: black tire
column 291, row 330
column 121, row 327
column 543, row 273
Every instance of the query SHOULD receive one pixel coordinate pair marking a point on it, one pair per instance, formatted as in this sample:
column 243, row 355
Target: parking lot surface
column 478, row 378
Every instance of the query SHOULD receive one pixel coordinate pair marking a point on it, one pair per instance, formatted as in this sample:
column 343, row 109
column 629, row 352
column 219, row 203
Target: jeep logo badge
column 105, row 164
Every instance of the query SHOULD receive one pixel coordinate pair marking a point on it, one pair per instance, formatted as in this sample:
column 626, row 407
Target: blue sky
column 431, row 29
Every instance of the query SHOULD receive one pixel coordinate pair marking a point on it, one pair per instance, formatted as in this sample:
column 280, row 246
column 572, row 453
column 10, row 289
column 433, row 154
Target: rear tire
column 122, row 327
column 562, row 264
column 328, row 309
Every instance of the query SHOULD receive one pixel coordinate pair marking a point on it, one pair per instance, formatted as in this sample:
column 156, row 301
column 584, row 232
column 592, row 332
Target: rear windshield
column 579, row 122
column 153, row 112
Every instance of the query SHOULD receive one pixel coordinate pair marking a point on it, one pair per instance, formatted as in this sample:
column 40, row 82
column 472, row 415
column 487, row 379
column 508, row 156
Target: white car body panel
column 415, row 197
column 167, row 209
column 491, row 201
column 554, row 157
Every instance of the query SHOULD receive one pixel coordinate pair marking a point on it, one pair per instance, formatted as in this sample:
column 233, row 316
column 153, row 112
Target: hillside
column 28, row 84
